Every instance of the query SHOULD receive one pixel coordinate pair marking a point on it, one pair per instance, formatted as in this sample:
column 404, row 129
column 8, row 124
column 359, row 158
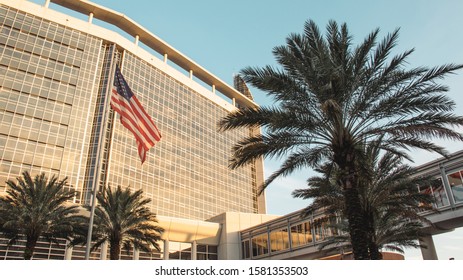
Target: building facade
column 55, row 78
column 55, row 81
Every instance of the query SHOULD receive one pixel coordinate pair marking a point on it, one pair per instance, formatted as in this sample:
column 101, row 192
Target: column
column 193, row 250
column 47, row 3
column 68, row 252
column 90, row 18
column 137, row 38
column 165, row 58
column 191, row 74
column 428, row 253
column 104, row 250
column 136, row 254
column 166, row 249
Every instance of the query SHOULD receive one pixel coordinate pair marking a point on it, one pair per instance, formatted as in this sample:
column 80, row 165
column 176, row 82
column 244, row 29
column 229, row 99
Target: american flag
column 133, row 116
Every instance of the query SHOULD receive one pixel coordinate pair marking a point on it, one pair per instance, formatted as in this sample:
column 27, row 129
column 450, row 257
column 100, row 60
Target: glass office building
column 55, row 80
column 54, row 115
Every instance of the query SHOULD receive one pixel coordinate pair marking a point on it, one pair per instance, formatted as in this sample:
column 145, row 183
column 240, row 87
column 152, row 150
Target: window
column 301, row 234
column 279, row 240
column 260, row 245
column 179, row 251
column 206, row 252
column 322, row 228
column 245, row 249
column 439, row 193
column 456, row 185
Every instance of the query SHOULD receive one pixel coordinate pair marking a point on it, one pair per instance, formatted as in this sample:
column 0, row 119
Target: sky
column 226, row 36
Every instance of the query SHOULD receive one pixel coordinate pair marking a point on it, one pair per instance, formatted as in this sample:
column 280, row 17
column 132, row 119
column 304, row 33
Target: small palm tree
column 332, row 98
column 37, row 207
column 123, row 220
column 390, row 201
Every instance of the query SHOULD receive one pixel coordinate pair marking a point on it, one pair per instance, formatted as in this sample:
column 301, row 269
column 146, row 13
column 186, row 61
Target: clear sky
column 226, row 36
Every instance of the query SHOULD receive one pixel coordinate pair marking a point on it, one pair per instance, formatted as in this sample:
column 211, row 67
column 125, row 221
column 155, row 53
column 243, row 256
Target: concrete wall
column 232, row 223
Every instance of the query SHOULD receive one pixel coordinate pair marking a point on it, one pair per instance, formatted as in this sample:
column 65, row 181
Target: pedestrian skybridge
column 293, row 237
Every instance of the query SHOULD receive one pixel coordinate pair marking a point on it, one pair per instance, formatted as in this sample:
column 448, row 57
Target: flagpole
column 101, row 139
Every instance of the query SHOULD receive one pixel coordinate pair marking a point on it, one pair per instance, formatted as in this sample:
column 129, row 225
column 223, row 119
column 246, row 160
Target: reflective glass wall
column 48, row 78
column 53, row 81
column 285, row 234
column 186, row 174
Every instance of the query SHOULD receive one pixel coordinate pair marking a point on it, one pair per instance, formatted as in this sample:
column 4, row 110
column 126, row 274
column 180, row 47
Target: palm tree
column 331, row 99
column 123, row 220
column 389, row 196
column 37, row 207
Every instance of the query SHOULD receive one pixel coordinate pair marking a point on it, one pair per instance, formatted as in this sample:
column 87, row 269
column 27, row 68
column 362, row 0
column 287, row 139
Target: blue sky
column 226, row 36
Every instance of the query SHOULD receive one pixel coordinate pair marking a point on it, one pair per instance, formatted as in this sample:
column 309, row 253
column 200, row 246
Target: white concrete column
column 90, row 18
column 213, row 89
column 165, row 58
column 234, row 102
column 428, row 253
column 68, row 252
column 136, row 254
column 137, row 38
column 47, row 3
column 193, row 251
column 191, row 74
column 104, row 250
column 166, row 249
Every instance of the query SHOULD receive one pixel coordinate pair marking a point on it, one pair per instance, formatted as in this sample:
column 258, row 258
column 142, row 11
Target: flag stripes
column 133, row 116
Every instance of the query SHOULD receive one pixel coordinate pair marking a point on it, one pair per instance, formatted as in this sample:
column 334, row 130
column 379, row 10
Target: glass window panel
column 179, row 251
column 439, row 193
column 201, row 248
column 185, row 255
column 456, row 186
column 319, row 228
column 260, row 245
column 301, row 234
column 212, row 249
column 279, row 240
column 212, row 257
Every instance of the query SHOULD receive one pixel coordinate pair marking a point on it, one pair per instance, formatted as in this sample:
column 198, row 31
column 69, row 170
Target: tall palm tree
column 123, row 220
column 37, row 207
column 332, row 98
column 389, row 196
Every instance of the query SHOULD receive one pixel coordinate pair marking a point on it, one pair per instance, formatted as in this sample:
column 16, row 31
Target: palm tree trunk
column 375, row 254
column 114, row 250
column 31, row 241
column 373, row 248
column 345, row 159
column 357, row 231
